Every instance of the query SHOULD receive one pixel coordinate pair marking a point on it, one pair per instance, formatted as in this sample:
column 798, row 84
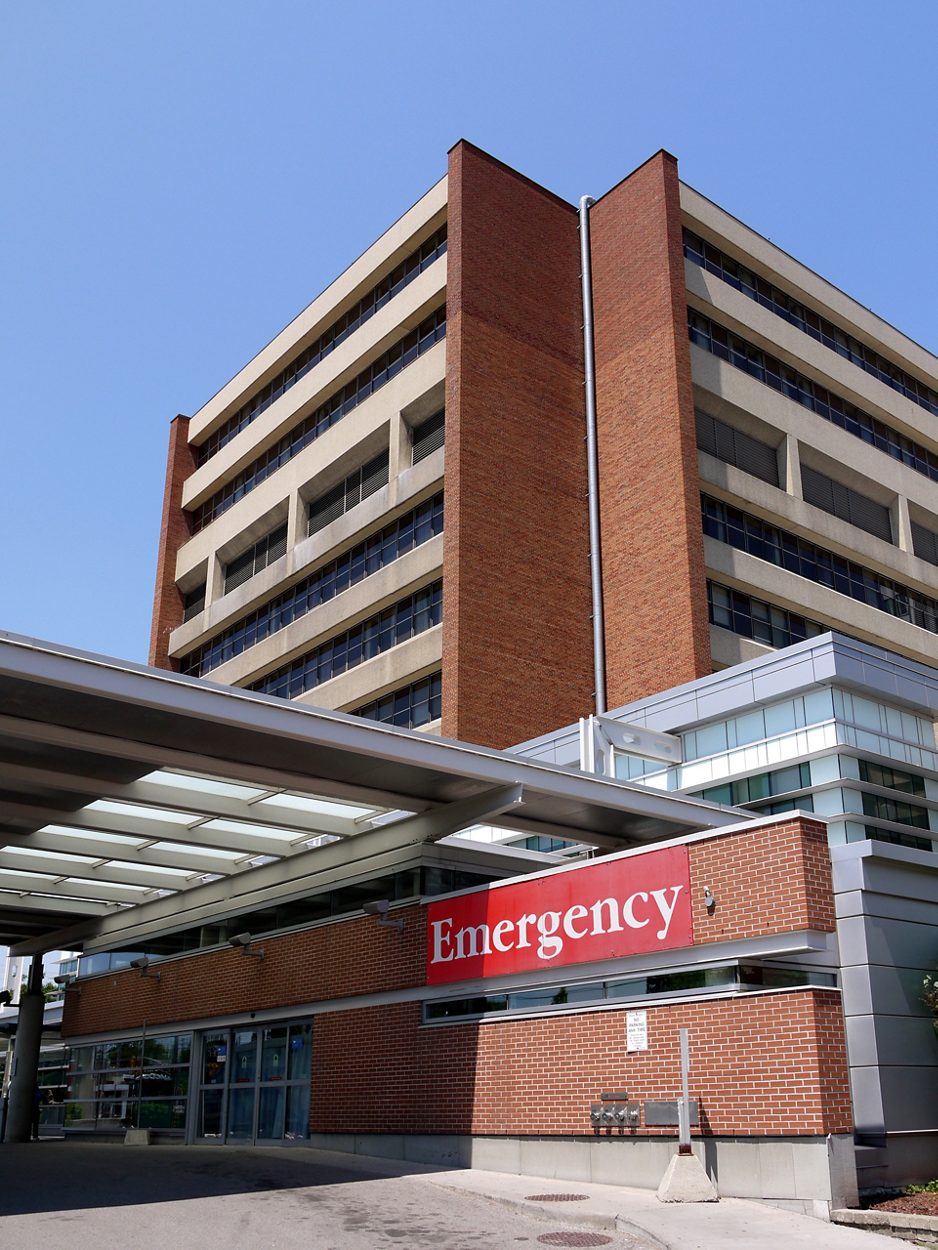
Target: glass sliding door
column 254, row 1084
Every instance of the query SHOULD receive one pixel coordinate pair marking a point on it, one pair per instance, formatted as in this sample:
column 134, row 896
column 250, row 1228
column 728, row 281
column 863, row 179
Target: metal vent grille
column 193, row 602
column 925, row 543
column 428, row 436
column 734, row 447
column 841, row 501
column 267, row 549
column 346, row 495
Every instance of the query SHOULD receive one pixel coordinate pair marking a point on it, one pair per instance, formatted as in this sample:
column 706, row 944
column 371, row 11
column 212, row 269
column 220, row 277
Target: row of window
column 407, row 883
column 891, row 778
column 328, row 341
column 265, row 551
column 741, row 978
column 749, row 790
column 898, row 811
column 381, row 371
column 411, row 616
column 819, row 328
column 753, row 360
column 751, row 618
column 875, row 834
column 390, row 543
column 413, row 706
column 767, row 542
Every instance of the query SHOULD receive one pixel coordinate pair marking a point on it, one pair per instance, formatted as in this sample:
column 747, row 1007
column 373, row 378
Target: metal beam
column 292, row 878
column 103, row 873
column 27, row 903
column 153, row 757
column 101, row 848
column 30, row 885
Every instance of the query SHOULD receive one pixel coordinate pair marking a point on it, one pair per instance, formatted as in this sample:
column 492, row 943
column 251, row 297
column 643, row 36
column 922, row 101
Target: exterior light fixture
column 242, row 942
column 709, row 901
column 142, row 965
column 379, row 909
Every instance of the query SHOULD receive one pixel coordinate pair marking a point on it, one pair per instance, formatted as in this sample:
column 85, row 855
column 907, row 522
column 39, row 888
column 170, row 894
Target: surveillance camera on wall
column 143, row 963
column 242, row 942
column 378, row 908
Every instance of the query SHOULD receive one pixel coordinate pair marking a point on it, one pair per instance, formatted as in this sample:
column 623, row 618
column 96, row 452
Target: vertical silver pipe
column 592, row 463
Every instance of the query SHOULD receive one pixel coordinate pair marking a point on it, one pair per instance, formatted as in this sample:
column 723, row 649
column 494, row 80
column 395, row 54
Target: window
column 395, row 282
column 751, row 618
column 375, row 552
column 414, row 705
column 846, row 503
column 348, row 493
column 406, row 619
column 265, row 551
column 748, row 791
column 734, row 447
column 771, row 297
column 736, row 351
column 805, row 559
column 129, row 1083
column 428, row 437
column 891, row 778
column 897, row 811
column 387, row 366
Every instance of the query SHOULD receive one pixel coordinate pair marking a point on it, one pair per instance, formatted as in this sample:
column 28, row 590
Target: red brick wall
column 775, row 1064
column 350, row 957
column 655, row 602
column 776, row 879
column 517, row 651
column 763, row 1064
column 167, row 601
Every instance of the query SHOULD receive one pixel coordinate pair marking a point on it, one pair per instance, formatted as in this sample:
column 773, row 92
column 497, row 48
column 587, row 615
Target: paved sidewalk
column 731, row 1222
column 84, row 1196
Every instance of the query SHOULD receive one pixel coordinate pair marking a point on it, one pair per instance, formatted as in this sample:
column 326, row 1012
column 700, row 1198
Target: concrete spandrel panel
column 867, row 1095
column 910, row 1097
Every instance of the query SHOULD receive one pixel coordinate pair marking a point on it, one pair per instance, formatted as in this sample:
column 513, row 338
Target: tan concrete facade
column 513, row 646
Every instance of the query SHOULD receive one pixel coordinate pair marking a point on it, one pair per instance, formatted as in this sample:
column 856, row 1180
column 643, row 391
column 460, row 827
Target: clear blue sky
column 182, row 176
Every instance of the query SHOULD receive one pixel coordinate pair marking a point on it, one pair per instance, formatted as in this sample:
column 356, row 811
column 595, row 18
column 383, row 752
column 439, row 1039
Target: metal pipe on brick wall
column 592, row 465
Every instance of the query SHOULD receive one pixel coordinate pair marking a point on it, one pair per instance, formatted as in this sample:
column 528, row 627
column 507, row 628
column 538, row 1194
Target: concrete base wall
column 808, row 1175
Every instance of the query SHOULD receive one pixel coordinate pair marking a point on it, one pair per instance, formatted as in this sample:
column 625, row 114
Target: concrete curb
column 887, row 1219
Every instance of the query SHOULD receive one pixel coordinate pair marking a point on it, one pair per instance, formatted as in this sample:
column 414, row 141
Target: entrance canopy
column 133, row 800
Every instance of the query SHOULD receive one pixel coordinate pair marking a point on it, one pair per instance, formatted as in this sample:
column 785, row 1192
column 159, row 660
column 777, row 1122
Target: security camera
column 63, row 980
column 142, row 963
column 242, row 942
column 378, row 908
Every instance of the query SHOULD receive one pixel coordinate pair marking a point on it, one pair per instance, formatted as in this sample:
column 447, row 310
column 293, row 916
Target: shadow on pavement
column 69, row 1176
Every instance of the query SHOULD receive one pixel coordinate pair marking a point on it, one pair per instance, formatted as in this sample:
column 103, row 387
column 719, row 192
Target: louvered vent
column 841, row 501
column 346, row 495
column 267, row 549
column 734, row 447
column 428, row 436
column 925, row 543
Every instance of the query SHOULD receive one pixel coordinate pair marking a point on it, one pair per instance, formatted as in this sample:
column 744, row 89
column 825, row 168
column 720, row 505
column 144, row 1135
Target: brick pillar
column 517, row 651
column 657, row 631
column 167, row 601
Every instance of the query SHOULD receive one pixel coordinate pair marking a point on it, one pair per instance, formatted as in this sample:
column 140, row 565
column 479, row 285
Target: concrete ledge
column 895, row 1220
column 137, row 1137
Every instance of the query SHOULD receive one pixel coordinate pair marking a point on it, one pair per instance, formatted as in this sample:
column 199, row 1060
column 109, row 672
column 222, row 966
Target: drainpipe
column 592, row 468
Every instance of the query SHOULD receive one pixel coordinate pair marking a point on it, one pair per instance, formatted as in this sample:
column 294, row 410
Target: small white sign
column 636, row 1029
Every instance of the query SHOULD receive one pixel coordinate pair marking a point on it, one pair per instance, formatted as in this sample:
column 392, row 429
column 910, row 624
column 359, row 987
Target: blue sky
column 182, row 176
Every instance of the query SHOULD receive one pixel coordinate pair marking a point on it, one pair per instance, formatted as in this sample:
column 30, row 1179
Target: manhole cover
column 574, row 1239
column 555, row 1198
